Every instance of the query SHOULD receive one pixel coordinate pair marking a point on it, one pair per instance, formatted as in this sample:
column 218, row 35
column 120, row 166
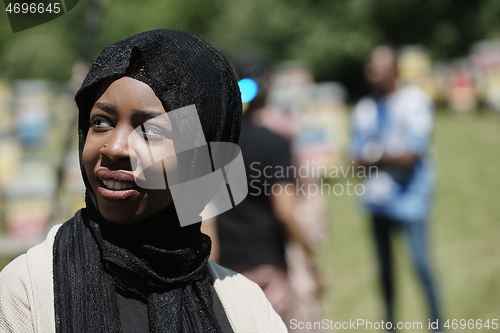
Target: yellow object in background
column 415, row 66
column 6, row 119
column 10, row 157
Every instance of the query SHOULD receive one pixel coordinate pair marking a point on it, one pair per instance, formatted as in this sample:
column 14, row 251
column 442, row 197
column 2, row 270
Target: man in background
column 391, row 129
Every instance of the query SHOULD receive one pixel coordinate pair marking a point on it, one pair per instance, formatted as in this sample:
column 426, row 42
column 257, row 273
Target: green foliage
column 46, row 51
column 333, row 37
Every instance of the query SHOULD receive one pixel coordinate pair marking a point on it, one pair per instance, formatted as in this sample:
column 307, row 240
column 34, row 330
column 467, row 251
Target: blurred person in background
column 253, row 236
column 391, row 130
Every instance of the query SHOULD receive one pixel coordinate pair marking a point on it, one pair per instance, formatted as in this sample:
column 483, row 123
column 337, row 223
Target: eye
column 100, row 122
column 153, row 133
column 152, row 130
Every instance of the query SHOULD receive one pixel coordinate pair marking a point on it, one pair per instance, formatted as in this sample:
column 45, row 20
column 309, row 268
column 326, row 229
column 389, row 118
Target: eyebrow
column 110, row 108
column 146, row 113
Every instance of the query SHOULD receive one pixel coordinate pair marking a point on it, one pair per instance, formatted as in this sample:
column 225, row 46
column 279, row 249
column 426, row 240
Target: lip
column 120, row 176
column 115, row 195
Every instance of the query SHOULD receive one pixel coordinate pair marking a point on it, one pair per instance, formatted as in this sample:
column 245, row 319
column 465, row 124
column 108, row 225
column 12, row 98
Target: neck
column 385, row 91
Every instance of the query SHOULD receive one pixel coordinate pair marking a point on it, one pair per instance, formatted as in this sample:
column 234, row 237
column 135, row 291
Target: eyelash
column 157, row 136
column 151, row 134
column 93, row 122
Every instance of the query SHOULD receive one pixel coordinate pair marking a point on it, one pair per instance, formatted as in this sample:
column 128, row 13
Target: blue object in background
column 249, row 90
column 32, row 134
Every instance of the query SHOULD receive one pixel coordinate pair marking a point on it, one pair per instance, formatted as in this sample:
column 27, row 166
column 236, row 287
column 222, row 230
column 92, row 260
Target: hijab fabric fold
column 156, row 259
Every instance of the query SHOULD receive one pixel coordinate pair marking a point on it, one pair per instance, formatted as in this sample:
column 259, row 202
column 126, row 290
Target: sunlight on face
column 125, row 107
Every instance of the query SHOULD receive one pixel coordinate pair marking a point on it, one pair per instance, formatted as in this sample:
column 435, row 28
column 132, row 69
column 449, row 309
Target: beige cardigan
column 27, row 296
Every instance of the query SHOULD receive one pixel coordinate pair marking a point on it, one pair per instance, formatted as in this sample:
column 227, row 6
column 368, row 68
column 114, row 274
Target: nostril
column 116, row 163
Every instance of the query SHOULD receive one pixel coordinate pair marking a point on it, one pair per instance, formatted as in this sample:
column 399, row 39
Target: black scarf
column 93, row 256
column 155, row 259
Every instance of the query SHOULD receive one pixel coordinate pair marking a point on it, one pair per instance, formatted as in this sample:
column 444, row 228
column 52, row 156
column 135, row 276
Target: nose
column 116, row 148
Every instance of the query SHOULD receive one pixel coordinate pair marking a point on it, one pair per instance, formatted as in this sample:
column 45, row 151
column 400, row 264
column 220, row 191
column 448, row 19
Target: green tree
column 333, row 37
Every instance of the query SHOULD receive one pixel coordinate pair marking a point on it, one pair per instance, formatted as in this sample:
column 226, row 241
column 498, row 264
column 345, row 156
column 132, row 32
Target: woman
column 124, row 263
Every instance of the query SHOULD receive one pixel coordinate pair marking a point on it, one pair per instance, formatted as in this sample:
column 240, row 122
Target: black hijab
column 91, row 255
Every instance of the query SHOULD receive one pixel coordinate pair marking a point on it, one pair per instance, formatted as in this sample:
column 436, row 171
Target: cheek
column 154, row 157
column 90, row 157
column 170, row 157
column 150, row 162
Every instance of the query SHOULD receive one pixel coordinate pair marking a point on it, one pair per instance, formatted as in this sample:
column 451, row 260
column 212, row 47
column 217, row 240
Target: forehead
column 128, row 93
column 382, row 56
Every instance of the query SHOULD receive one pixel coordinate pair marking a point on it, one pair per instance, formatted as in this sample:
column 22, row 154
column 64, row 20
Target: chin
column 118, row 212
column 114, row 217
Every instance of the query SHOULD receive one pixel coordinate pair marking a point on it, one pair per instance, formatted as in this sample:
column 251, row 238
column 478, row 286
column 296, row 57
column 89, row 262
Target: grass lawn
column 465, row 236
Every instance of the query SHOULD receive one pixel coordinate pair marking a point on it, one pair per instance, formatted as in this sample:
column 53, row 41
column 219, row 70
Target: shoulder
column 414, row 90
column 246, row 306
column 26, row 289
column 15, row 313
column 415, row 108
column 413, row 94
column 253, row 133
column 21, row 269
column 45, row 247
column 364, row 114
column 365, row 101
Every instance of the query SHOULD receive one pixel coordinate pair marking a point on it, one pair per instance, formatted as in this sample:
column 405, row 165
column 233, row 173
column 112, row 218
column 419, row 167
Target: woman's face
column 129, row 130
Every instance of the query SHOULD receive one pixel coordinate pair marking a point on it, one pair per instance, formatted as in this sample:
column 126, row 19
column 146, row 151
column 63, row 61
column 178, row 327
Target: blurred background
column 317, row 49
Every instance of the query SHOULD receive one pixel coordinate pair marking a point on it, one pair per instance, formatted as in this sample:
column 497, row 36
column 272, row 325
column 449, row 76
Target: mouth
column 116, row 185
